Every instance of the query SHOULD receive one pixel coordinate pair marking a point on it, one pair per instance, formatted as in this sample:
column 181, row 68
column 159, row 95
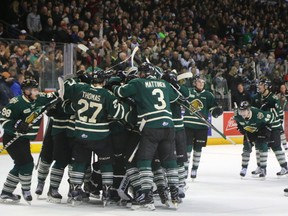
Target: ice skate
column 143, row 201
column 193, row 174
column 9, row 198
column 27, row 196
column 163, row 194
column 243, row 172
column 75, row 195
column 106, row 194
column 262, row 175
column 181, row 191
column 174, row 196
column 286, row 192
column 256, row 172
column 39, row 189
column 53, row 196
column 283, row 172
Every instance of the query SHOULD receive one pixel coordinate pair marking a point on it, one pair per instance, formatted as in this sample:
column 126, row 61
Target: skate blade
column 75, row 203
column 53, row 200
column 167, row 204
column 175, row 205
column 286, row 194
column 9, row 201
column 29, row 202
column 105, row 203
column 95, row 196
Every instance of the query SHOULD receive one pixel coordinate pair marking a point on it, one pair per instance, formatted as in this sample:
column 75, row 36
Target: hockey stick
column 199, row 115
column 143, row 122
column 1, row 130
column 131, row 56
column 83, row 47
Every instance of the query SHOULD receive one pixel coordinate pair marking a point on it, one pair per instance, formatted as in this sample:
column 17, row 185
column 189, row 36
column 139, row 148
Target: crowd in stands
column 228, row 41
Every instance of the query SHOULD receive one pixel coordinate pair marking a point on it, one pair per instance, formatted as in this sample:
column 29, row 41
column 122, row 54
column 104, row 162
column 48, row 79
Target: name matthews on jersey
column 153, row 84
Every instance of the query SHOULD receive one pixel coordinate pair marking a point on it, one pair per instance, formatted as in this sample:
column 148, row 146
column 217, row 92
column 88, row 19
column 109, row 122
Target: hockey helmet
column 170, row 76
column 146, row 69
column 244, row 105
column 267, row 83
column 29, row 83
column 83, row 76
column 98, row 76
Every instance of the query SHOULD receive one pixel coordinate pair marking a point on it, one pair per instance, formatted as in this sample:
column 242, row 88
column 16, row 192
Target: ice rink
column 218, row 190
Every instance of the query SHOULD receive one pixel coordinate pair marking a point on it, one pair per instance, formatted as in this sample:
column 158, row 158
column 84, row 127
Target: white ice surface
column 218, row 190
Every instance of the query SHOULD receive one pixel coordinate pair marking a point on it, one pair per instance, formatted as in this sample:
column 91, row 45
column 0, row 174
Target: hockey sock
column 263, row 159
column 245, row 159
column 25, row 176
column 196, row 159
column 107, row 174
column 146, row 175
column 11, row 181
column 43, row 170
column 181, row 174
column 281, row 158
column 159, row 177
column 56, row 176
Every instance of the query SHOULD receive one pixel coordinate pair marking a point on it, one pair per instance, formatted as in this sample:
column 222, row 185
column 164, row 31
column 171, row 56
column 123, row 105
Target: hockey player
column 15, row 118
column 256, row 125
column 267, row 101
column 283, row 97
column 196, row 129
column 57, row 145
column 152, row 97
column 93, row 105
column 180, row 136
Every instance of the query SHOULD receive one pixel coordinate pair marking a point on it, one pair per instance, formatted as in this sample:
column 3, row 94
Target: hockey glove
column 22, row 127
column 113, row 81
column 216, row 111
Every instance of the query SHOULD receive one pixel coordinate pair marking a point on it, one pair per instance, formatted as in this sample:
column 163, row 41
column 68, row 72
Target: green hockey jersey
column 258, row 120
column 93, row 107
column 152, row 97
column 270, row 103
column 208, row 101
column 20, row 108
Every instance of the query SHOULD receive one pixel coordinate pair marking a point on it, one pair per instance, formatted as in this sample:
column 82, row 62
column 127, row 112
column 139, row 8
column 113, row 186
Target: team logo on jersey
column 165, row 124
column 260, row 115
column 84, row 136
column 250, row 129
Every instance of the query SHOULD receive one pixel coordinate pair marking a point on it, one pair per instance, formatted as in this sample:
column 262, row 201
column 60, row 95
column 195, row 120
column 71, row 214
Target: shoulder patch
column 13, row 100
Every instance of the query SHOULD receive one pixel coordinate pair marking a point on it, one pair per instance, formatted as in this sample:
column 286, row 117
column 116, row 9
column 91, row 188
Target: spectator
column 34, row 22
column 5, row 92
column 16, row 85
column 240, row 95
